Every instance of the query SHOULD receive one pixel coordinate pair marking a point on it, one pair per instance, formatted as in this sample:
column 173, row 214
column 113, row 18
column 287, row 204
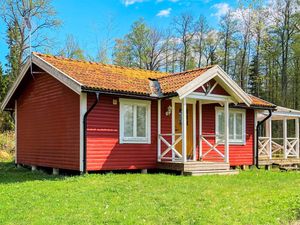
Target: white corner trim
column 213, row 72
column 134, row 139
column 16, row 131
column 83, row 109
column 50, row 69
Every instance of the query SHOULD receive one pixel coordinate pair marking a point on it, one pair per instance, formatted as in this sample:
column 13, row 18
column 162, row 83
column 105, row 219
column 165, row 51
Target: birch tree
column 18, row 15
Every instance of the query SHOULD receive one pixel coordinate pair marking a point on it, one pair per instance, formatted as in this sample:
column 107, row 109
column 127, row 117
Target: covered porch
column 186, row 141
column 186, row 146
column 278, row 141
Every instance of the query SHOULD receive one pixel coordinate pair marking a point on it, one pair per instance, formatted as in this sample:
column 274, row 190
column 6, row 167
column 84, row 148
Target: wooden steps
column 211, row 172
column 197, row 168
column 289, row 168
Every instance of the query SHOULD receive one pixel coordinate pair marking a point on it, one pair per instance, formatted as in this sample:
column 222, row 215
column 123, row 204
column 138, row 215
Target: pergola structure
column 282, row 148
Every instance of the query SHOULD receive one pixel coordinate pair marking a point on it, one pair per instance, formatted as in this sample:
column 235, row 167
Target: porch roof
column 281, row 113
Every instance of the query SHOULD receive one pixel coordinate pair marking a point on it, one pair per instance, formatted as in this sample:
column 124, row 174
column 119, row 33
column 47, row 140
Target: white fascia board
column 50, row 69
column 58, row 74
column 285, row 114
column 15, row 84
column 232, row 84
column 197, row 82
column 215, row 71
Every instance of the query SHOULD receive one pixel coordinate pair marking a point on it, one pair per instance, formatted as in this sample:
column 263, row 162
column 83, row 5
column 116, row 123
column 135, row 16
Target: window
column 237, row 128
column 134, row 121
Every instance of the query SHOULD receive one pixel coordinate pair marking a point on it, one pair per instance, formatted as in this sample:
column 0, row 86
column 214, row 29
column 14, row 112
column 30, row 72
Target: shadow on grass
column 9, row 173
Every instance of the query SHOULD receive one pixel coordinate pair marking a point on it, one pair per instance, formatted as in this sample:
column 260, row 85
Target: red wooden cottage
column 87, row 116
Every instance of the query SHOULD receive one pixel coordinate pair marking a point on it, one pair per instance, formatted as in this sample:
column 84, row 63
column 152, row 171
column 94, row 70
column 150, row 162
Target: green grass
column 252, row 197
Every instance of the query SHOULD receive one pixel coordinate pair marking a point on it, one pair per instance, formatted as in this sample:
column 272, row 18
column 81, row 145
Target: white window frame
column 243, row 112
column 135, row 140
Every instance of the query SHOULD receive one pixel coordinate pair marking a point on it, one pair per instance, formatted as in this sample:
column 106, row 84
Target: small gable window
column 135, row 124
column 237, row 127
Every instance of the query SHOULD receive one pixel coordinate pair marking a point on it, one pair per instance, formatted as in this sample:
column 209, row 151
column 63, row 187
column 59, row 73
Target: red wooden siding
column 166, row 125
column 104, row 152
column 48, row 124
column 218, row 90
column 238, row 154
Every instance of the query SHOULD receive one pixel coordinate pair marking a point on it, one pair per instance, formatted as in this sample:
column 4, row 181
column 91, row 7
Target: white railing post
column 158, row 130
column 269, row 135
column 297, row 136
column 183, row 119
column 285, row 138
column 200, row 130
column 226, row 131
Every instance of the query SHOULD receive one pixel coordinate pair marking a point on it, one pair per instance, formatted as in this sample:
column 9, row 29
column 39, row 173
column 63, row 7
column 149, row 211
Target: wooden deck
column 197, row 168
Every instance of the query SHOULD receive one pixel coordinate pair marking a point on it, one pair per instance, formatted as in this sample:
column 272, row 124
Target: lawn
column 252, row 197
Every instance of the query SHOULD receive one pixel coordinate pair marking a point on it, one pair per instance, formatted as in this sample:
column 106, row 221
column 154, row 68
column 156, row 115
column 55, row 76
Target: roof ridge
column 98, row 63
column 187, row 71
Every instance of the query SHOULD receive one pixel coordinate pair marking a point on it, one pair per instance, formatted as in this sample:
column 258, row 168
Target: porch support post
column 194, row 131
column 200, row 130
column 158, row 130
column 183, row 129
column 297, row 136
column 285, row 138
column 226, row 131
column 269, row 135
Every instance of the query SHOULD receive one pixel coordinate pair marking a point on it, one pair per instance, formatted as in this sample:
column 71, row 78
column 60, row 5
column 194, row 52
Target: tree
column 137, row 39
column 185, row 28
column 122, row 53
column 258, row 33
column 211, row 45
column 72, row 49
column 142, row 47
column 202, row 29
column 284, row 28
column 16, row 14
column 245, row 35
column 228, row 29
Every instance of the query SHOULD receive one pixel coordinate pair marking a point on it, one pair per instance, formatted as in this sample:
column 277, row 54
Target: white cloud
column 131, row 2
column 164, row 12
column 222, row 9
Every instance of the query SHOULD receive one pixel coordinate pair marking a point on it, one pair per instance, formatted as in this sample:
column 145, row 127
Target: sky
column 89, row 20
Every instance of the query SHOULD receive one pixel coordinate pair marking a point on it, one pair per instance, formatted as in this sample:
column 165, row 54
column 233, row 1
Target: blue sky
column 87, row 19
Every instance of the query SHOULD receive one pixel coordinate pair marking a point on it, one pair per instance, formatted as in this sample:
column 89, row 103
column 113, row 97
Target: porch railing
column 217, row 140
column 279, row 147
column 291, row 147
column 171, row 146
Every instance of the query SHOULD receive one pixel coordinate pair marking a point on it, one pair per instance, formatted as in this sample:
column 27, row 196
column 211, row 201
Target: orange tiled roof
column 104, row 77
column 260, row 102
column 172, row 82
column 129, row 80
